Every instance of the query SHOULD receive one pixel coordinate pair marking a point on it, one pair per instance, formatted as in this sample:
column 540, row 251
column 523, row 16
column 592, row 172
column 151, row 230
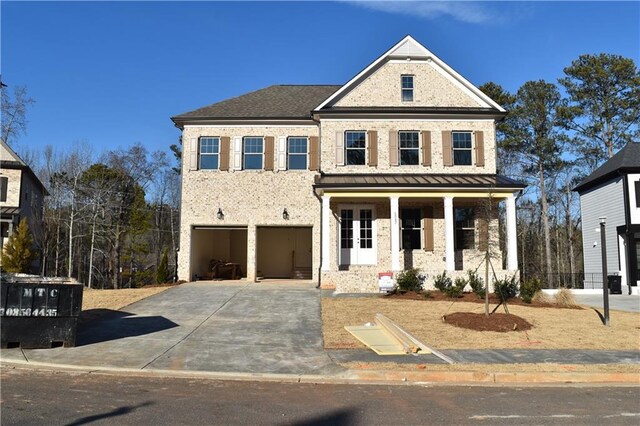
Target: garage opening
column 284, row 252
column 218, row 252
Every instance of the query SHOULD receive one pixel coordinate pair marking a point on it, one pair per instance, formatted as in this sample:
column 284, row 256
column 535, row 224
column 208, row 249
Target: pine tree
column 16, row 255
column 162, row 274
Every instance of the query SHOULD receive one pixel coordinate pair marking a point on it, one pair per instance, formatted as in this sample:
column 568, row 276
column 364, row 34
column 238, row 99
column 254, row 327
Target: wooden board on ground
column 376, row 338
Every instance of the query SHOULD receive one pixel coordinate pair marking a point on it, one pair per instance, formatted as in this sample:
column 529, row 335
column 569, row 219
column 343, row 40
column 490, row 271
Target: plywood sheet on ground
column 376, row 338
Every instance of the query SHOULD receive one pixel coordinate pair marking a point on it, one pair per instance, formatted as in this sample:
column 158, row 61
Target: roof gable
column 409, row 51
column 8, row 154
column 627, row 159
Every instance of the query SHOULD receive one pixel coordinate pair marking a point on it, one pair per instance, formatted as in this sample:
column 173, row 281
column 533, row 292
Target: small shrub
column 506, row 288
column 541, row 297
column 564, row 298
column 427, row 294
column 442, row 282
column 529, row 288
column 476, row 284
column 409, row 281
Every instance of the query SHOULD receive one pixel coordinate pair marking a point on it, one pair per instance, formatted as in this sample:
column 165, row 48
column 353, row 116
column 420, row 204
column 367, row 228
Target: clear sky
column 112, row 73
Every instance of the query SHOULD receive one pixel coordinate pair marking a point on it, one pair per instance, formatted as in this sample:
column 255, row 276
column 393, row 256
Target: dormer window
column 407, row 88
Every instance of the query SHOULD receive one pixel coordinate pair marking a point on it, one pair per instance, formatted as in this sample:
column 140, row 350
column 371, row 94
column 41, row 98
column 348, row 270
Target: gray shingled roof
column 415, row 181
column 628, row 158
column 281, row 102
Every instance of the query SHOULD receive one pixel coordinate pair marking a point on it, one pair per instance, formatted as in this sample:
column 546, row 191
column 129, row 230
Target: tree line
column 112, row 221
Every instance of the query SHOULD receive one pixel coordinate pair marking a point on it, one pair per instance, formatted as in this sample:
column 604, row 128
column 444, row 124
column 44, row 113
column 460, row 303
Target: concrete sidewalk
column 620, row 302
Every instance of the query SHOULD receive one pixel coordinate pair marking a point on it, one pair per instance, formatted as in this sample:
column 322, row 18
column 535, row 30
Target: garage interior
column 284, row 252
column 226, row 244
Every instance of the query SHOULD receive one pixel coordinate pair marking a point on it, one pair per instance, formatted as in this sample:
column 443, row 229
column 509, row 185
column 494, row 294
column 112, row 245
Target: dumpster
column 615, row 284
column 38, row 316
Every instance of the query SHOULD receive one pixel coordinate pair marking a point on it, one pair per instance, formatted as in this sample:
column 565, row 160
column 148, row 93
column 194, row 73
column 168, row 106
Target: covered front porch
column 434, row 223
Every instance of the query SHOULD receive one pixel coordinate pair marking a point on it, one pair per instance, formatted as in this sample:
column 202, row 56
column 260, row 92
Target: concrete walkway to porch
column 268, row 327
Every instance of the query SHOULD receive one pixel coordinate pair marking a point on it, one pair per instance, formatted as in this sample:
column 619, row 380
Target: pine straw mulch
column 499, row 322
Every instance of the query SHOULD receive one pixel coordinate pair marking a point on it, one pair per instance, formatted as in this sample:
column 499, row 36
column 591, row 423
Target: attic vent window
column 407, row 88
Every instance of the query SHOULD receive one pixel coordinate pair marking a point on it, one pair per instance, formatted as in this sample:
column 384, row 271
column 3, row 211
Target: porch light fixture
column 285, row 214
column 220, row 215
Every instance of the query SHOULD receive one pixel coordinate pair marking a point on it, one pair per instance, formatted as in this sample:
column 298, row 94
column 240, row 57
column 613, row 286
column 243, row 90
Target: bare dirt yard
column 552, row 328
column 97, row 302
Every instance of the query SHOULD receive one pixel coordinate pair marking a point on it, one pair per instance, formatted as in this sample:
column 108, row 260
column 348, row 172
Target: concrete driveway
column 206, row 326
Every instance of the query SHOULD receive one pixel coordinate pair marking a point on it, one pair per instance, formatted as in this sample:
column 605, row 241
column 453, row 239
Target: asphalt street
column 35, row 397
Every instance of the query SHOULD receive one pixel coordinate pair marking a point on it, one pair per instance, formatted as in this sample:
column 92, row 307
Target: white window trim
column 306, row 163
column 472, row 149
column 243, row 153
column 366, row 147
column 413, row 87
column 200, row 153
column 419, row 148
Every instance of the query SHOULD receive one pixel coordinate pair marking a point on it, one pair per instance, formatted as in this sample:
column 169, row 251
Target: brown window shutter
column 393, row 147
column 313, row 153
column 427, row 225
column 479, row 149
column 447, row 150
column 483, row 234
column 225, row 142
column 426, row 148
column 373, row 147
column 268, row 152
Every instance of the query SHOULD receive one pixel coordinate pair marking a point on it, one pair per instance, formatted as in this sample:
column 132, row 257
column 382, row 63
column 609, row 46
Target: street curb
column 469, row 378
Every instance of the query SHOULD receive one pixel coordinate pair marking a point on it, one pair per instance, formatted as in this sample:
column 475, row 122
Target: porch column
column 512, row 237
column 448, row 234
column 325, row 245
column 395, row 235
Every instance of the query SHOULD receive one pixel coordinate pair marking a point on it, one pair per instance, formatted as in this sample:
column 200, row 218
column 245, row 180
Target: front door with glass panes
column 357, row 235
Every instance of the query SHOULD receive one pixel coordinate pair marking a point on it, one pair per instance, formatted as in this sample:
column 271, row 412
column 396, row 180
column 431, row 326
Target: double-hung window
column 409, row 146
column 252, row 152
column 297, row 153
column 461, row 148
column 411, row 223
column 209, row 153
column 465, row 229
column 407, row 88
column 355, row 146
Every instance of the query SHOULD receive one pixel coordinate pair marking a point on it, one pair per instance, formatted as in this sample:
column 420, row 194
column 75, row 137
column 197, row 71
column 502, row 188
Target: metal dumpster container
column 37, row 315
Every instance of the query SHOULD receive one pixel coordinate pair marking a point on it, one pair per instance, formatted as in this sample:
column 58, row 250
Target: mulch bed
column 499, row 322
column 438, row 296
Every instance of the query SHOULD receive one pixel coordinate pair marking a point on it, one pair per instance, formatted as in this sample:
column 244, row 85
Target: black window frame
column 637, row 188
column 457, row 159
column 4, row 188
column 410, row 228
column 464, row 228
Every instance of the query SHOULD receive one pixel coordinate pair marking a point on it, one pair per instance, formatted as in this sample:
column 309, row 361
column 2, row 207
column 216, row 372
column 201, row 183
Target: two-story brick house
column 338, row 183
column 21, row 195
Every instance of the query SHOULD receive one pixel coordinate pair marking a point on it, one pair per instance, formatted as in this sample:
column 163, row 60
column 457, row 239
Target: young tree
column 163, row 275
column 17, row 255
column 535, row 141
column 603, row 105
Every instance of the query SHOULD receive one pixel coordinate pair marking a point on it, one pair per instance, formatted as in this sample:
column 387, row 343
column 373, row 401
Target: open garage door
column 213, row 245
column 285, row 252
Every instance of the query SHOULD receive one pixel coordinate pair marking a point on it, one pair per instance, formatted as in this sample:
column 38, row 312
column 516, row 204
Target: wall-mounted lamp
column 285, row 214
column 220, row 215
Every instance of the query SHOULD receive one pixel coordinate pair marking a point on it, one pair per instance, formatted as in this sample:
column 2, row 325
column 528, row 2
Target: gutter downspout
column 318, row 197
column 627, row 233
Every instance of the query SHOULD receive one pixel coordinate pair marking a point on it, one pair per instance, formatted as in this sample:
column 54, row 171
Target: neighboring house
column 613, row 191
column 21, row 195
column 339, row 183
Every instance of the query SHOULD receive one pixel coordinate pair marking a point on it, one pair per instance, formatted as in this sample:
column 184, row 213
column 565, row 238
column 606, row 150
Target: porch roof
column 416, row 181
